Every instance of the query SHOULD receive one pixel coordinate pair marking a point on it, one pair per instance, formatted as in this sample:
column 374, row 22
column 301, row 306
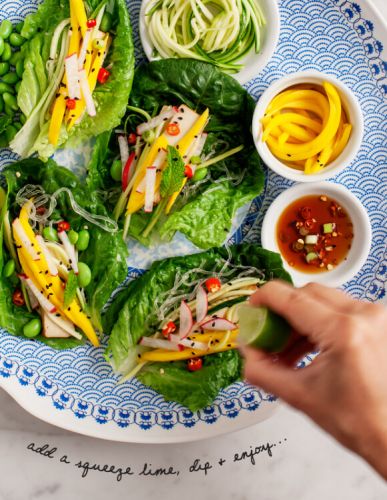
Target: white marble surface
column 307, row 465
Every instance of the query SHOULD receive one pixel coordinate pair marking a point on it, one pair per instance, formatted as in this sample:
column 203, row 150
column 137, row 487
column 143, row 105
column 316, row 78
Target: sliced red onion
column 124, row 149
column 159, row 343
column 150, row 184
column 164, row 116
column 186, row 320
column 73, row 75
column 87, row 95
column 25, row 241
column 70, row 250
column 201, row 304
column 47, row 255
column 43, row 301
column 83, row 51
column 218, row 324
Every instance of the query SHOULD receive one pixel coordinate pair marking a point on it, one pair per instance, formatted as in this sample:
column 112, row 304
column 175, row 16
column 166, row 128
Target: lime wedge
column 261, row 328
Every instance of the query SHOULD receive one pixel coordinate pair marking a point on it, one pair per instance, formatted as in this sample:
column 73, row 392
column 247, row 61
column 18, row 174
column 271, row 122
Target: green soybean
column 200, row 174
column 17, row 86
column 84, row 275
column 50, row 234
column 2, row 46
column 3, row 140
column 83, row 240
column 10, row 132
column 22, row 119
column 5, row 29
column 10, row 78
column 19, row 26
column 1, row 104
column 16, row 40
column 9, row 269
column 106, row 22
column 116, row 170
column 7, row 52
column 32, row 328
column 17, row 125
column 19, row 68
column 10, row 100
column 73, row 236
column 16, row 56
column 8, row 110
column 4, row 87
column 4, row 68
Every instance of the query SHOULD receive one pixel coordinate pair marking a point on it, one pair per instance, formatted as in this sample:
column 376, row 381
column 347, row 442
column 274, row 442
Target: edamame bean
column 17, row 125
column 7, row 52
column 17, row 86
column 22, row 119
column 106, row 22
column 2, row 46
column 10, row 100
column 4, row 68
column 8, row 110
column 19, row 27
column 50, row 234
column 32, row 328
column 200, row 174
column 4, row 87
column 83, row 240
column 5, row 29
column 16, row 40
column 73, row 236
column 1, row 104
column 9, row 269
column 116, row 170
column 3, row 140
column 84, row 275
column 10, row 78
column 10, row 132
column 20, row 68
column 16, row 56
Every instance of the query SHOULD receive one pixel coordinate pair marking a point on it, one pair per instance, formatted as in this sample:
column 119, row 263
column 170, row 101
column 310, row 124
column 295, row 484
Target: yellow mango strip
column 136, row 200
column 308, row 149
column 324, row 157
column 162, row 355
column 284, row 98
column 75, row 39
column 342, row 141
column 300, row 133
column 283, row 138
column 321, row 110
column 308, row 164
column 78, row 9
column 57, row 116
column 284, row 118
column 276, row 132
column 213, row 335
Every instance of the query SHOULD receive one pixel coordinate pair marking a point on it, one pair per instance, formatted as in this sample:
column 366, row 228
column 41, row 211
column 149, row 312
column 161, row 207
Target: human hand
column 344, row 390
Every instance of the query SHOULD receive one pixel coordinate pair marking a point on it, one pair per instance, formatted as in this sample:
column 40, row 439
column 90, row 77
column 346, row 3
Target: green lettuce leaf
column 133, row 314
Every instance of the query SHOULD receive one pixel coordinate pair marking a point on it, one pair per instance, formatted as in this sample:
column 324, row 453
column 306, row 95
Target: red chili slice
column 103, row 75
column 18, row 298
column 169, row 328
column 71, row 104
column 188, row 172
column 306, row 213
column 309, row 223
column 132, row 139
column 213, row 284
column 173, row 129
column 63, row 226
column 195, row 364
column 91, row 23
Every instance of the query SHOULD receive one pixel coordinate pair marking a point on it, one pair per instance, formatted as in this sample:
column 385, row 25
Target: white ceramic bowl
column 353, row 111
column 361, row 243
column 253, row 63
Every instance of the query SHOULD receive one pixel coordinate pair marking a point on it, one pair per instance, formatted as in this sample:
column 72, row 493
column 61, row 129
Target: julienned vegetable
column 307, row 127
column 221, row 31
column 177, row 336
column 47, row 278
column 67, row 92
column 191, row 122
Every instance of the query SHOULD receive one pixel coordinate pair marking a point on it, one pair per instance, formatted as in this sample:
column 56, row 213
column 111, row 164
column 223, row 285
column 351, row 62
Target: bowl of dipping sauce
column 308, row 126
column 322, row 232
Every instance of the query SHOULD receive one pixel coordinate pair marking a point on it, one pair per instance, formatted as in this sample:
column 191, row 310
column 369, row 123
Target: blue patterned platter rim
column 76, row 389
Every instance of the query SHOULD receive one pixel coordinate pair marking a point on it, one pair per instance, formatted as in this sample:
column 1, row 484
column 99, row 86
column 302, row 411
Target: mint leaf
column 173, row 175
column 71, row 289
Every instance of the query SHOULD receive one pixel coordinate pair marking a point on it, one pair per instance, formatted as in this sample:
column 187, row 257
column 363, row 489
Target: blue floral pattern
column 327, row 35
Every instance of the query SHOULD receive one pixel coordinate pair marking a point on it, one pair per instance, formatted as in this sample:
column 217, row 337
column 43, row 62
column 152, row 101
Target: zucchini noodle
column 218, row 31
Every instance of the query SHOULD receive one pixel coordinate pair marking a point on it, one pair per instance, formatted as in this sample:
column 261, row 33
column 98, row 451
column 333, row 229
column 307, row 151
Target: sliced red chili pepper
column 188, row 172
column 18, row 298
column 91, row 23
column 306, row 213
column 169, row 328
column 103, row 75
column 63, row 226
column 132, row 139
column 127, row 170
column 173, row 129
column 195, row 364
column 309, row 223
column 71, row 104
column 213, row 284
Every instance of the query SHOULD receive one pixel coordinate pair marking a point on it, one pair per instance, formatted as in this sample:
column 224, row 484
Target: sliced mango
column 57, row 120
column 78, row 9
column 163, row 355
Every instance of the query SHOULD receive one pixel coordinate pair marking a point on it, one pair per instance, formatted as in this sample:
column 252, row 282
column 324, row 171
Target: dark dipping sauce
column 314, row 234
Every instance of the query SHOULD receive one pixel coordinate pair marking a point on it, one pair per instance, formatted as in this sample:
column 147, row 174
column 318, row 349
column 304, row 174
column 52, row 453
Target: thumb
column 265, row 371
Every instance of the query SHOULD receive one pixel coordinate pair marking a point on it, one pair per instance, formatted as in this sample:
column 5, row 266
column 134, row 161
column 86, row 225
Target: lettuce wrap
column 147, row 305
column 44, row 96
column 58, row 189
column 209, row 200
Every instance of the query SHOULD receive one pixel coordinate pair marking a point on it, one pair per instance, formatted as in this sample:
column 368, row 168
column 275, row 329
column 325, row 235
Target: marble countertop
column 39, row 461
